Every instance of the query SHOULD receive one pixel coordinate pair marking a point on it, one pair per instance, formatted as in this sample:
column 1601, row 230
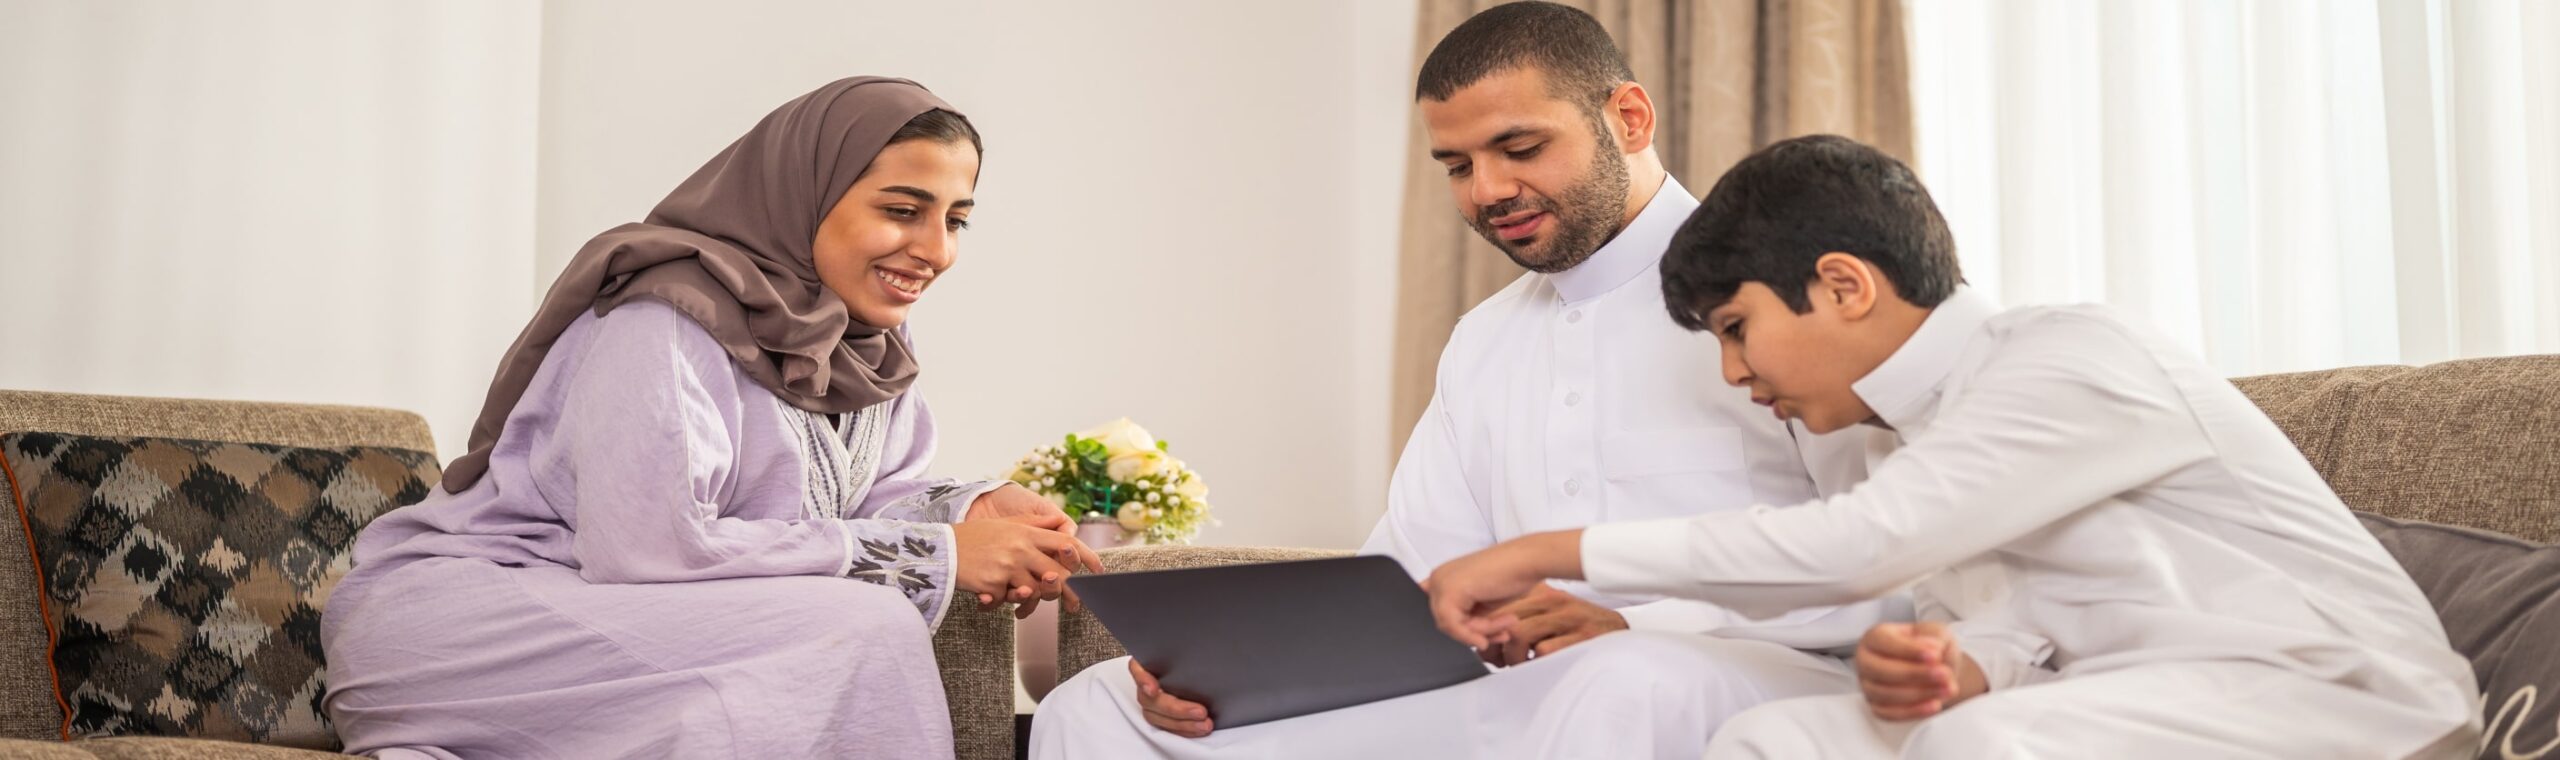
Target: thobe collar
column 1635, row 249
column 1904, row 390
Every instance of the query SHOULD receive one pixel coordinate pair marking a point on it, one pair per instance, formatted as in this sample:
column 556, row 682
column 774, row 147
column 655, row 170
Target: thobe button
column 1572, row 487
column 1571, row 399
column 1573, row 316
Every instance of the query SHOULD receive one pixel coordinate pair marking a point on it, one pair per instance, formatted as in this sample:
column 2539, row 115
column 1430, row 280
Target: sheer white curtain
column 295, row 201
column 2278, row 184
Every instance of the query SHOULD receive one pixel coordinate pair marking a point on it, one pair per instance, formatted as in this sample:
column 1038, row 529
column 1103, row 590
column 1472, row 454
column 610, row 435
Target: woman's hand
column 1019, row 559
column 1013, row 500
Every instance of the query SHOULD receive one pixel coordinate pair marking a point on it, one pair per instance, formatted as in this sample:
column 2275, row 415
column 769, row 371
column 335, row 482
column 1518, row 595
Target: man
column 1560, row 403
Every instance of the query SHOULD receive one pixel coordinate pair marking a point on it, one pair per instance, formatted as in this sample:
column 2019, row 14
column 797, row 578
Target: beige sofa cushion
column 137, row 748
column 2474, row 443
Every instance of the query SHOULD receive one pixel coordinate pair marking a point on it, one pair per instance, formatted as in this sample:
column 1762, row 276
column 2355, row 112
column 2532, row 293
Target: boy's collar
column 1901, row 390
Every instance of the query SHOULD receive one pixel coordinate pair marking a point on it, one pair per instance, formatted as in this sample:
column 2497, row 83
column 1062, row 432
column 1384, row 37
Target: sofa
column 974, row 649
column 2454, row 466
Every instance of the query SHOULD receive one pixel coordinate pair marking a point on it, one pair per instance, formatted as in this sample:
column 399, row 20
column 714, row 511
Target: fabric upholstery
column 975, row 652
column 136, row 748
column 33, row 749
column 975, row 649
column 2473, row 442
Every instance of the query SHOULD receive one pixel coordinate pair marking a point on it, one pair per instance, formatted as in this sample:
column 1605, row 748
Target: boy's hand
column 1910, row 671
column 1468, row 593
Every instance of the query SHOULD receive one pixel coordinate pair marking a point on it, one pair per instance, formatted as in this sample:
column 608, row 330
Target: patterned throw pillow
column 184, row 579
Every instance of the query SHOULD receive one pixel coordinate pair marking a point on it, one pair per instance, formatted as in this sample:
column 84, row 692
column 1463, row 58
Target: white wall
column 284, row 200
column 1188, row 210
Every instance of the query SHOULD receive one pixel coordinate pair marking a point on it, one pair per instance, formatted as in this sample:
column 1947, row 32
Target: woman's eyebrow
column 927, row 196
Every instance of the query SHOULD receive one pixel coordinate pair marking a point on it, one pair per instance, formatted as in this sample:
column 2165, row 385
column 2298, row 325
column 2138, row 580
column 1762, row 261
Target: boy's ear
column 1848, row 283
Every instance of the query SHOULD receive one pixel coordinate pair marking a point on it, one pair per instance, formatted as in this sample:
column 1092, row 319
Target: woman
column 694, row 521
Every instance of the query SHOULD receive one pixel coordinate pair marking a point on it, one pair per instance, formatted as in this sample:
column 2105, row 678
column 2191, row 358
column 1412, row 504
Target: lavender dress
column 664, row 560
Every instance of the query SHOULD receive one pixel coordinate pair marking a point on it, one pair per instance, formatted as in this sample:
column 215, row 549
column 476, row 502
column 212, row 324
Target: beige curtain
column 1727, row 77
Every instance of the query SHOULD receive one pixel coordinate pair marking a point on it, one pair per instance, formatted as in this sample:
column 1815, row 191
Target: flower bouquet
column 1119, row 473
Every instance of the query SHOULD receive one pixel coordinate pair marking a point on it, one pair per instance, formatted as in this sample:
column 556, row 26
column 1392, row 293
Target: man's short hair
column 1582, row 65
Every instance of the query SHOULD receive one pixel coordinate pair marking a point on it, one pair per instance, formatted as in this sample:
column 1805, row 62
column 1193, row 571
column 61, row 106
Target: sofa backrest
column 2474, row 442
column 27, row 706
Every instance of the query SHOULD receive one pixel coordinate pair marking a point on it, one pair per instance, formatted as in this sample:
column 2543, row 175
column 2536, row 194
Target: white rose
column 1135, row 465
column 1120, row 437
column 1133, row 518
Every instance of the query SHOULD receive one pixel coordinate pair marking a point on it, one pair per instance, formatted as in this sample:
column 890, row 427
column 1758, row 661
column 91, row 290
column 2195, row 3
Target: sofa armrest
column 1082, row 641
column 975, row 652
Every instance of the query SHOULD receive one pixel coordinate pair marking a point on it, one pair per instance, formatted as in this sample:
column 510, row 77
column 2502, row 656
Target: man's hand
column 1174, row 714
column 1550, row 620
column 1468, row 594
column 1910, row 671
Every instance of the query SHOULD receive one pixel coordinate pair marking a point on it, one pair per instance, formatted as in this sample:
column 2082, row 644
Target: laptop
column 1259, row 643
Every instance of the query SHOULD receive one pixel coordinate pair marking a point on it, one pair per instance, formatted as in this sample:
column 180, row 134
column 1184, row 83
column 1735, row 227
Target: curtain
column 2278, row 185
column 290, row 201
column 1727, row 76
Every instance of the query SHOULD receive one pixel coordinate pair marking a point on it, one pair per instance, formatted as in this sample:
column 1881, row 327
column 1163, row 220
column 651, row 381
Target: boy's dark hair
column 1581, row 63
column 1784, row 206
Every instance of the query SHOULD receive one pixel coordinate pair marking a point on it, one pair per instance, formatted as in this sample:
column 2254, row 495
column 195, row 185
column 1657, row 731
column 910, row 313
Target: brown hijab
column 730, row 248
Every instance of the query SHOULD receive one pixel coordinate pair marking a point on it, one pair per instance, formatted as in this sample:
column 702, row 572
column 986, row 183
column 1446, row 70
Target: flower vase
column 1035, row 638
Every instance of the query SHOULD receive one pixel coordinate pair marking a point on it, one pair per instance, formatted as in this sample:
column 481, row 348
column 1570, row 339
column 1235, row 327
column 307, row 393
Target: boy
column 2110, row 548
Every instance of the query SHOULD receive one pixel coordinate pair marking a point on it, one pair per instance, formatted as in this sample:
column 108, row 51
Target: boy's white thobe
column 2139, row 560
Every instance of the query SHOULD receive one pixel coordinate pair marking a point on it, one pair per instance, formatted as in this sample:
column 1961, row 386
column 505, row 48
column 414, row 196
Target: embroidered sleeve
column 916, row 558
column 944, row 501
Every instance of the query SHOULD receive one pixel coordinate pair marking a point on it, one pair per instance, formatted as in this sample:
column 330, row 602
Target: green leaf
column 1163, row 445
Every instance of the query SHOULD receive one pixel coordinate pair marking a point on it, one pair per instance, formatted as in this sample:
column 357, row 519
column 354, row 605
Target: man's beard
column 1585, row 219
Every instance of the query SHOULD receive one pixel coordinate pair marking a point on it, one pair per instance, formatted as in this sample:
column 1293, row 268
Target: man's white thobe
column 1563, row 401
column 2139, row 560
